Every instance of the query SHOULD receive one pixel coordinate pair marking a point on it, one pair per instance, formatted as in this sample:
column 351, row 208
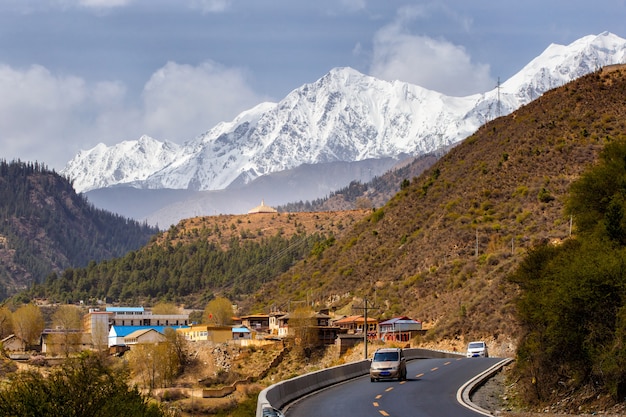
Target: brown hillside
column 254, row 227
column 440, row 250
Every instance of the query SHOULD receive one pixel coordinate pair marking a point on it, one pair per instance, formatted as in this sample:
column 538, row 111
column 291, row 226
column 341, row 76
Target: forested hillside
column 45, row 227
column 232, row 255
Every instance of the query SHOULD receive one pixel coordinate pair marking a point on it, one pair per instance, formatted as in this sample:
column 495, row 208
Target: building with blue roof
column 127, row 310
column 99, row 323
column 138, row 316
column 118, row 333
column 241, row 333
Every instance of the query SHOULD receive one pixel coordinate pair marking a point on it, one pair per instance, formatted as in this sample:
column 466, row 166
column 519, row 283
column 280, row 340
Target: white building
column 137, row 316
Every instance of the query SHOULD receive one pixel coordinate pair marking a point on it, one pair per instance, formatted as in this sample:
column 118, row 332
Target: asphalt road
column 430, row 391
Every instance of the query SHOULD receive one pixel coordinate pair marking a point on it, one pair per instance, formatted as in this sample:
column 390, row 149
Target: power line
column 251, row 272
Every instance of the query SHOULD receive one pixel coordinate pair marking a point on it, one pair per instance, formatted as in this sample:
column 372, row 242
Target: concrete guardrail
column 284, row 392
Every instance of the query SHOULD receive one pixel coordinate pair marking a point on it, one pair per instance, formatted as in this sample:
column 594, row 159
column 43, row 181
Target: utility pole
column 365, row 328
column 365, row 308
column 571, row 219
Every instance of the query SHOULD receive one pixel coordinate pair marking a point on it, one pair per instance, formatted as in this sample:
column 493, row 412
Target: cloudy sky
column 74, row 73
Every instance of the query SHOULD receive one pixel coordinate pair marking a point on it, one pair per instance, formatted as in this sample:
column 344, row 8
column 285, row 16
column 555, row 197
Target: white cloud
column 210, row 6
column 38, row 6
column 181, row 101
column 49, row 118
column 432, row 63
column 36, row 109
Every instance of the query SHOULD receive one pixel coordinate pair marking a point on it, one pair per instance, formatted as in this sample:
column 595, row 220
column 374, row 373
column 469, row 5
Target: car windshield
column 477, row 345
column 385, row 356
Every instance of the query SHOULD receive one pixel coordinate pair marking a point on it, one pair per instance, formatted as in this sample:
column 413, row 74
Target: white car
column 477, row 350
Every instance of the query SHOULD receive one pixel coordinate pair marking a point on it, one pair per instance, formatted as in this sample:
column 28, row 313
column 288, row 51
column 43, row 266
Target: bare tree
column 177, row 346
column 6, row 322
column 154, row 364
column 303, row 327
column 67, row 325
column 28, row 323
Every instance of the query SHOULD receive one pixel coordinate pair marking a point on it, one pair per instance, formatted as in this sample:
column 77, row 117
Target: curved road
column 430, row 391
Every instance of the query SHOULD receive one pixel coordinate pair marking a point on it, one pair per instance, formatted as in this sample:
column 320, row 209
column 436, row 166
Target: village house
column 149, row 335
column 273, row 322
column 207, row 332
column 97, row 324
column 241, row 333
column 118, row 334
column 259, row 323
column 111, row 326
column 326, row 334
column 354, row 325
column 13, row 343
column 399, row 329
column 56, row 342
column 138, row 316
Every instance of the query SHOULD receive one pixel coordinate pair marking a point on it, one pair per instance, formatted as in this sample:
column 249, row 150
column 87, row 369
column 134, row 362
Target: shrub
column 544, row 196
column 377, row 215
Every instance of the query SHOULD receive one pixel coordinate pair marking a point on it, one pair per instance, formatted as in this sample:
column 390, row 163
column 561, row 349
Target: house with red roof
column 354, row 325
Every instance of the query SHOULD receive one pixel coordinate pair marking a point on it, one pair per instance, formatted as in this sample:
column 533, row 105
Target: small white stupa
column 262, row 209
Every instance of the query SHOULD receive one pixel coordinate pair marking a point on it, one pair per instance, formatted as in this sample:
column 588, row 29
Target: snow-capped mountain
column 344, row 116
column 126, row 162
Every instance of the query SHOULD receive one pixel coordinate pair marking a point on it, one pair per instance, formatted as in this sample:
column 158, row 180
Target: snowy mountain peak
column 343, row 116
column 344, row 76
column 560, row 64
column 128, row 161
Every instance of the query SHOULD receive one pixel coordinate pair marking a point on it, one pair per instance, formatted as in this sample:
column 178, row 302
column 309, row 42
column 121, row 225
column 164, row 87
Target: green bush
column 83, row 387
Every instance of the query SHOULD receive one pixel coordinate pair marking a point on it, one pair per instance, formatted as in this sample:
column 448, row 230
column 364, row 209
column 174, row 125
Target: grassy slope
column 254, row 227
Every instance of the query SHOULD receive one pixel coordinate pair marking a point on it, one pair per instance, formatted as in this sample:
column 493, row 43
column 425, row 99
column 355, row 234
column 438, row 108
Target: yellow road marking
column 375, row 404
column 388, row 389
column 447, row 363
column 434, row 369
column 419, row 375
column 378, row 397
column 383, row 412
column 402, row 382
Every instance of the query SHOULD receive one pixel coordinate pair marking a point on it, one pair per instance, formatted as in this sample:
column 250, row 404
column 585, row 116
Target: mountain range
column 345, row 126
